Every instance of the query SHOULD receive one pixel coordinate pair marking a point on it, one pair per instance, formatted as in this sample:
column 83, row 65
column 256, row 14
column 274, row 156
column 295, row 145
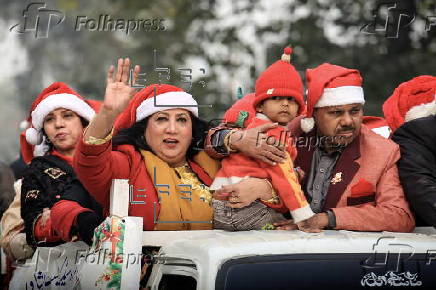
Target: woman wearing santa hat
column 55, row 206
column 158, row 148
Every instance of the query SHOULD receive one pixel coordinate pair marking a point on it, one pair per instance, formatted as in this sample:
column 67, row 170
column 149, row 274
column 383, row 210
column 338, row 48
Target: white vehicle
column 252, row 260
column 293, row 260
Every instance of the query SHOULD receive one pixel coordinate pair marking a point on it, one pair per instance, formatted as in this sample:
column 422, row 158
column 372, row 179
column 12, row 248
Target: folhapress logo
column 106, row 23
column 37, row 18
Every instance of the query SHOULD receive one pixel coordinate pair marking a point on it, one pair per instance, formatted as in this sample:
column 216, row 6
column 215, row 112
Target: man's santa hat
column 280, row 79
column 57, row 95
column 152, row 99
column 411, row 100
column 331, row 85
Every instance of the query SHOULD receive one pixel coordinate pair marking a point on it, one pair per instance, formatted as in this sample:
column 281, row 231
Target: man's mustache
column 346, row 129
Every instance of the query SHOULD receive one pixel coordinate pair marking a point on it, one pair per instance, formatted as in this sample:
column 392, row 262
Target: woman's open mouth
column 170, row 142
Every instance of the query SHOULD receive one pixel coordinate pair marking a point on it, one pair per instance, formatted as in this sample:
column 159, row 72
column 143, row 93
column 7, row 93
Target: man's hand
column 242, row 194
column 252, row 143
column 314, row 224
column 286, row 225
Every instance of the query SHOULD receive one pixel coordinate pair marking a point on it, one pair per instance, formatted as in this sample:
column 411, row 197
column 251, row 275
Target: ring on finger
column 233, row 199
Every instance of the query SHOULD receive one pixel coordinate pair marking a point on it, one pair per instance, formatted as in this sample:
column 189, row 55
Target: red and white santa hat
column 280, row 79
column 152, row 99
column 378, row 125
column 331, row 85
column 57, row 95
column 413, row 99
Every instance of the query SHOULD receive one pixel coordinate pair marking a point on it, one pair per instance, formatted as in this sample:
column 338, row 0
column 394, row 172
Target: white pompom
column 307, row 124
column 33, row 136
column 24, row 125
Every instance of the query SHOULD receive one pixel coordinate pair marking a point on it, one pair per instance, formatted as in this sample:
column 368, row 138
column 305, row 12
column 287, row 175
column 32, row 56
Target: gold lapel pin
column 337, row 178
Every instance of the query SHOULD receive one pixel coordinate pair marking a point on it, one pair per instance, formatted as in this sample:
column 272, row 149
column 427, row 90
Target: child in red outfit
column 278, row 99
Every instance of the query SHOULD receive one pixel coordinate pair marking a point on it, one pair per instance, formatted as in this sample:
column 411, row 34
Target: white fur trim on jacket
column 420, row 111
column 67, row 101
column 166, row 101
column 219, row 182
column 341, row 96
column 302, row 213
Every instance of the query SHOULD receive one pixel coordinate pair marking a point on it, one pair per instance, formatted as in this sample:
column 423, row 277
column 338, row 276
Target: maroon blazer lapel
column 345, row 169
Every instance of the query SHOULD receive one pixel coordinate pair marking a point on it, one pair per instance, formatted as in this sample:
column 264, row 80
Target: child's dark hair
column 135, row 136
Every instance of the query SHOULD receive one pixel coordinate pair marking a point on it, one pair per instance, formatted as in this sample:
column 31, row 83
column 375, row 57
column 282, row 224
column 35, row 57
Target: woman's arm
column 95, row 163
column 35, row 205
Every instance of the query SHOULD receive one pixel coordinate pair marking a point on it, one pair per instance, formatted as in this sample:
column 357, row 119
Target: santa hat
column 57, row 95
column 241, row 112
column 378, row 125
column 331, row 85
column 411, row 100
column 280, row 79
column 152, row 99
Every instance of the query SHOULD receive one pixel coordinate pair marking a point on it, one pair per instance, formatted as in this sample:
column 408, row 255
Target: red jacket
column 97, row 165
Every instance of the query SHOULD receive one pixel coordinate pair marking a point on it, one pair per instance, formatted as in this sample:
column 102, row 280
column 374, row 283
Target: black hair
column 135, row 136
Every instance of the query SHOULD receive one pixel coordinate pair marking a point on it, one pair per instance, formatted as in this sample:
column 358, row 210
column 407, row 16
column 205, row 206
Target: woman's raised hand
column 117, row 98
column 118, row 89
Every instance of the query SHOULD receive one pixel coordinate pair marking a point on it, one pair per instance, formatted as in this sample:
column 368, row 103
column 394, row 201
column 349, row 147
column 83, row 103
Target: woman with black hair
column 55, row 206
column 159, row 149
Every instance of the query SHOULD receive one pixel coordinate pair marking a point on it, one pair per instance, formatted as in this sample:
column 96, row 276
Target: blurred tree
column 224, row 44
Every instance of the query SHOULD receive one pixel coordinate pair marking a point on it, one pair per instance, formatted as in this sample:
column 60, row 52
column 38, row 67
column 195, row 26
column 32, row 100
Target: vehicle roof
column 210, row 249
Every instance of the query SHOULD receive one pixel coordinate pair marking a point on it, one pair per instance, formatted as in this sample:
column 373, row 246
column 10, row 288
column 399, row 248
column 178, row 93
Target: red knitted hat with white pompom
column 280, row 79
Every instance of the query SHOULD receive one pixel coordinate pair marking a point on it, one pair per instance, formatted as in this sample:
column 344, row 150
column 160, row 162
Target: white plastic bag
column 50, row 268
